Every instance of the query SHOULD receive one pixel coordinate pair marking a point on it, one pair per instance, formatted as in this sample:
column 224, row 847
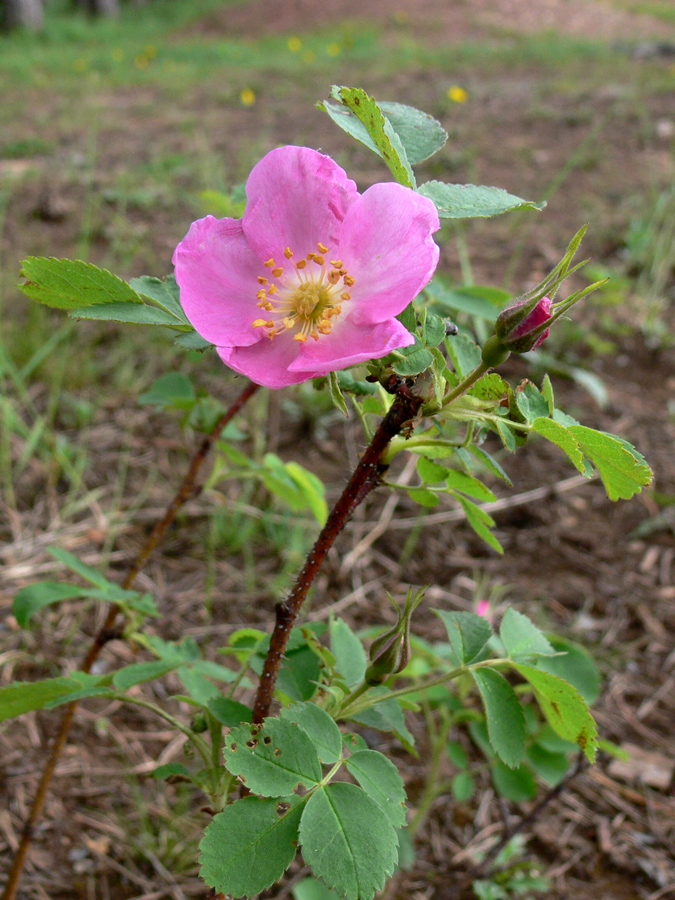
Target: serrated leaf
column 465, row 201
column 506, row 435
column 424, row 497
column 72, row 283
column 433, row 330
column 24, row 696
column 199, row 688
column 531, row 402
column 505, row 719
column 411, row 361
column 41, row 594
column 467, row 633
column 622, row 472
column 348, row 651
column 312, row 490
column 190, row 340
column 320, row 727
column 249, row 845
column 490, row 387
column 379, row 777
column 573, row 665
column 560, row 436
column 467, row 484
column 387, row 143
column 299, row 673
column 347, row 841
column 552, row 767
column 420, row 134
column 490, row 463
column 272, row 759
column 565, row 709
column 387, row 716
column 165, row 293
column 521, row 637
column 127, row 314
column 464, row 354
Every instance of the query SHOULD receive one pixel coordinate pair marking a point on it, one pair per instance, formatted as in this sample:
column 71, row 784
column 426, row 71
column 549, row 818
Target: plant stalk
column 365, row 478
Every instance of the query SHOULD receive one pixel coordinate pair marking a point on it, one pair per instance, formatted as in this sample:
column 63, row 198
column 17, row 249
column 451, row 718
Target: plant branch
column 365, row 477
column 107, row 632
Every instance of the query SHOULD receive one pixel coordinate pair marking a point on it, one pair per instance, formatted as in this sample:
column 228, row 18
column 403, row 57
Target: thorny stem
column 365, row 477
column 108, row 632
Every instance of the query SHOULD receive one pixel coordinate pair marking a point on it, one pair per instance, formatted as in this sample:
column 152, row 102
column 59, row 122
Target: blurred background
column 120, row 123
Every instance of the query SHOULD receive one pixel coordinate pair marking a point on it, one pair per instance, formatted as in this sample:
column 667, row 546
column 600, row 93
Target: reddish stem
column 366, row 476
column 108, row 632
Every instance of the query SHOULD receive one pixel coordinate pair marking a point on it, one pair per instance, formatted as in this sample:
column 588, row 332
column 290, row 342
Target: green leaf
column 506, row 435
column 531, row 402
column 127, row 313
column 170, row 769
column 433, row 329
column 431, row 472
column 490, row 463
column 480, row 521
column 565, row 709
column 72, row 283
column 249, row 845
column 199, row 688
column 465, row 201
column 552, row 767
column 379, row 777
column 350, row 656
column 517, row 785
column 420, row 134
column 467, row 484
column 413, row 360
column 547, row 392
column 386, row 716
column 467, row 633
column 24, row 696
column 137, row 673
column 621, row 471
column 424, row 497
column 482, row 301
column 573, row 665
column 299, row 673
column 41, row 594
column 521, row 637
column 165, row 293
column 272, row 759
column 312, row 490
column 347, row 841
column 490, row 387
column 462, row 786
column 313, row 889
column 383, row 139
column 505, row 719
column 89, row 573
column 560, row 435
column 336, row 394
column 190, row 340
column 173, row 390
column 464, row 353
column 320, row 727
column 229, row 712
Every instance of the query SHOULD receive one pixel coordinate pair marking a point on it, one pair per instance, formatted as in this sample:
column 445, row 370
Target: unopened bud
column 390, row 652
column 523, row 326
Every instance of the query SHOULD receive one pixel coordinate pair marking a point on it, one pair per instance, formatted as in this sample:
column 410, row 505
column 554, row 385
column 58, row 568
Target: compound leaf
column 467, row 633
column 73, row 284
column 505, row 719
column 379, row 777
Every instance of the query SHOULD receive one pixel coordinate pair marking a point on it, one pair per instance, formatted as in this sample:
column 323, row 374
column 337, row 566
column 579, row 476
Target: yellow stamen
column 322, row 248
column 288, row 253
column 337, row 263
column 300, row 337
column 319, row 260
column 349, row 281
column 261, row 295
column 333, row 276
column 259, row 323
column 345, row 295
column 262, row 279
column 301, row 263
column 270, row 263
column 278, row 272
column 272, row 289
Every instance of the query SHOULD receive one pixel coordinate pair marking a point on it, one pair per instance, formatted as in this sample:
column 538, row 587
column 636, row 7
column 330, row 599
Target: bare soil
column 600, row 572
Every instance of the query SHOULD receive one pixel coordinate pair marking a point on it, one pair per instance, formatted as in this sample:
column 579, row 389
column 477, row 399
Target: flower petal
column 267, row 362
column 387, row 246
column 217, row 274
column 296, row 198
column 349, row 344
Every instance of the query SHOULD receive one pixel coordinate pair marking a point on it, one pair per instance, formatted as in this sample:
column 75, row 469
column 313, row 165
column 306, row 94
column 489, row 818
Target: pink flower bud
column 522, row 326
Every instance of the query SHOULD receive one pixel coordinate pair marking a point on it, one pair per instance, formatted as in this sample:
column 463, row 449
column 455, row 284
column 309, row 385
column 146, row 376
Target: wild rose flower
column 311, row 278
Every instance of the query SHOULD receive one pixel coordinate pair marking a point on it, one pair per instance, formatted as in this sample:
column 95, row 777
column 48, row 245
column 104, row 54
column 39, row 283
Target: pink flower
column 311, row 278
column 521, row 326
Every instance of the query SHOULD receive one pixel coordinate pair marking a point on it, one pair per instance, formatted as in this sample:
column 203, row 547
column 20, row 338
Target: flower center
column 304, row 297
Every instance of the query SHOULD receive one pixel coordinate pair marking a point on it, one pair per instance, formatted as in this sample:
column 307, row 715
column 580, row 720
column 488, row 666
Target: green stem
column 432, row 788
column 466, row 383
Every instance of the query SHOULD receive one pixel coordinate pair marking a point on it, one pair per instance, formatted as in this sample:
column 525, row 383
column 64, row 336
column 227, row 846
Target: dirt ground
column 599, row 572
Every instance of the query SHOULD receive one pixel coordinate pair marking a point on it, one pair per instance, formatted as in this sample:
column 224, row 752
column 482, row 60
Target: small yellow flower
column 247, row 97
column 117, row 54
column 294, row 44
column 457, row 94
column 79, row 64
column 333, row 49
column 308, row 56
